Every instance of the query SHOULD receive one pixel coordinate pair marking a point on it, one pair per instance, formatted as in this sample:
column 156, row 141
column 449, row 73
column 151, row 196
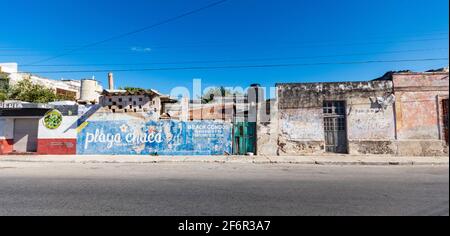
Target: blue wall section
column 136, row 137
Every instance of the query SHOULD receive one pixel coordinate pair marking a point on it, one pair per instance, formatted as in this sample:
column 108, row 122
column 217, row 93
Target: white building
column 8, row 67
column 67, row 88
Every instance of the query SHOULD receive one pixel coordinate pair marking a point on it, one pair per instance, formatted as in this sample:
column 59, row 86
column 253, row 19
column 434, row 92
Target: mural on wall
column 136, row 137
column 53, row 119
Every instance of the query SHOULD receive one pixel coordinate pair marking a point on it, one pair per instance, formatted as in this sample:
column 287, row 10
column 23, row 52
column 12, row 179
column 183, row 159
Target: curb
column 261, row 161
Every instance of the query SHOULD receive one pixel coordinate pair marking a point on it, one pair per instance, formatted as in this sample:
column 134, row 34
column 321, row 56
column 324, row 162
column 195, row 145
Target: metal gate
column 244, row 138
column 335, row 124
column 445, row 112
column 25, row 135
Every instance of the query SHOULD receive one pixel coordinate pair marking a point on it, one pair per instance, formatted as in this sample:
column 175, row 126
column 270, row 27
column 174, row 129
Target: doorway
column 335, row 125
column 25, row 135
column 244, row 138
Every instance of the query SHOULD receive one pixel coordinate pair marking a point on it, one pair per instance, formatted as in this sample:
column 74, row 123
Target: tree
column 27, row 91
column 218, row 92
column 4, row 86
column 3, row 96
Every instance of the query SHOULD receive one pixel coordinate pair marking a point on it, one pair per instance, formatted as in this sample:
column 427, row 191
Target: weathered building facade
column 353, row 117
column 402, row 113
column 421, row 112
column 139, row 102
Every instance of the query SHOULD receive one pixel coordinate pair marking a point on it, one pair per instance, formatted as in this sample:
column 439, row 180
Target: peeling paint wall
column 401, row 114
column 267, row 129
column 139, row 134
column 136, row 137
column 369, row 111
column 419, row 117
column 302, row 124
column 301, row 131
column 369, row 122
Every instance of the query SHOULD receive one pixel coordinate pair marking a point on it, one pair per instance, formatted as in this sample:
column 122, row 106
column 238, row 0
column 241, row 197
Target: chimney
column 111, row 81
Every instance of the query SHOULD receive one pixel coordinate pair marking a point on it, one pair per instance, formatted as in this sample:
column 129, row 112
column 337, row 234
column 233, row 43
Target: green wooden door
column 244, row 138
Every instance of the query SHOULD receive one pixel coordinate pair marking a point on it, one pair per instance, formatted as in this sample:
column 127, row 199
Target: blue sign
column 136, row 137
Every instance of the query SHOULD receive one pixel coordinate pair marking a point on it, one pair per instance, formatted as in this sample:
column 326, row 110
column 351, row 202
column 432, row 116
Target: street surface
column 221, row 189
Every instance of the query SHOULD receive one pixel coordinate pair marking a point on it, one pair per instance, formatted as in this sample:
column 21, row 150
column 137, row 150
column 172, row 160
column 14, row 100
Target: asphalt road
column 221, row 189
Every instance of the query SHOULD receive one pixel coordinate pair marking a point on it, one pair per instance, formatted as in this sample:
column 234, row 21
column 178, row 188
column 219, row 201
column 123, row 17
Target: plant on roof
column 133, row 89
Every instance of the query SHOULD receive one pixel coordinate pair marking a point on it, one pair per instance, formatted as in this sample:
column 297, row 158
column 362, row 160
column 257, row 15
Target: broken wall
column 267, row 128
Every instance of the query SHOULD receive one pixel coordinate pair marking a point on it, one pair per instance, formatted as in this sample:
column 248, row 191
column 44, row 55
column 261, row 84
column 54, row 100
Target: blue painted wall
column 136, row 137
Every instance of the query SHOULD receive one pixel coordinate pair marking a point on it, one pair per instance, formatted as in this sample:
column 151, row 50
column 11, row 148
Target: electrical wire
column 242, row 66
column 163, row 22
column 237, row 60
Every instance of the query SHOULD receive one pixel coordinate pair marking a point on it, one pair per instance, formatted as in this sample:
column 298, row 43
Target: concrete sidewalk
column 301, row 160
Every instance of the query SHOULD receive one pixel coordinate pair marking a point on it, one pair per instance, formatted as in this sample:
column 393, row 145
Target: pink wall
column 419, row 105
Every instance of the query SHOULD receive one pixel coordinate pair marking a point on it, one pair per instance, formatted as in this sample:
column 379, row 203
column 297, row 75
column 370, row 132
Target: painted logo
column 53, row 119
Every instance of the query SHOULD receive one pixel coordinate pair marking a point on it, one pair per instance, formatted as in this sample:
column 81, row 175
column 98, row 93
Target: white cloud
column 141, row 49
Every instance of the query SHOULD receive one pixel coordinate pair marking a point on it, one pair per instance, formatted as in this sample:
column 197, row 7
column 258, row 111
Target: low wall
column 60, row 141
column 422, row 148
column 139, row 137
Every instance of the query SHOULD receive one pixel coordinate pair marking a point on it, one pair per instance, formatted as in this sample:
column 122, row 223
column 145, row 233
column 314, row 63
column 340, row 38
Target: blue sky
column 238, row 32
